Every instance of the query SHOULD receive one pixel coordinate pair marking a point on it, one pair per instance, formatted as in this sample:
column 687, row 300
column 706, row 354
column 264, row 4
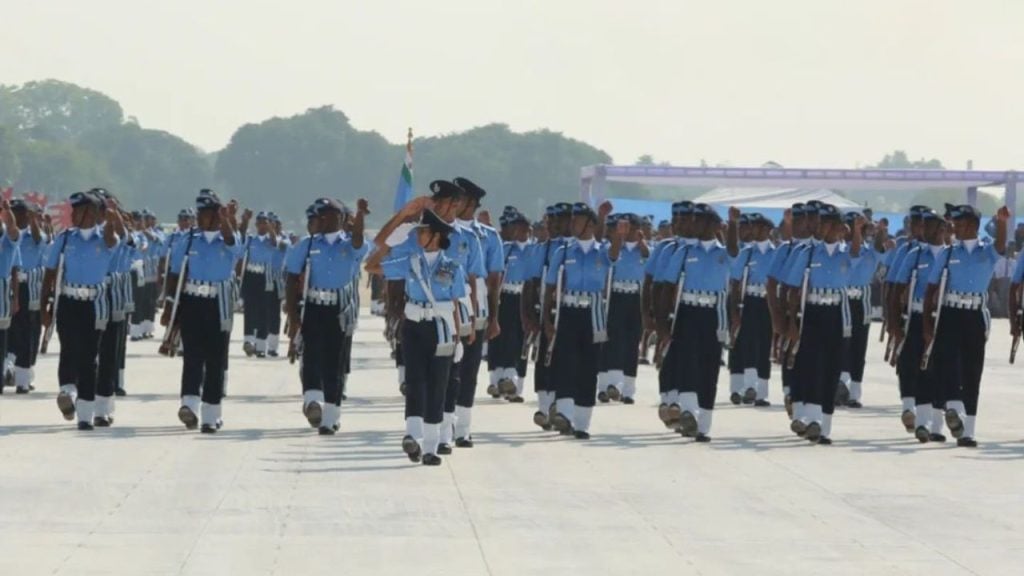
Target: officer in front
column 957, row 300
column 434, row 283
column 25, row 324
column 624, row 314
column 204, row 262
column 82, row 253
column 575, row 318
column 326, row 260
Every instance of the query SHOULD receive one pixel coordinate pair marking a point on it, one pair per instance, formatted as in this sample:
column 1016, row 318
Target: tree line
column 57, row 137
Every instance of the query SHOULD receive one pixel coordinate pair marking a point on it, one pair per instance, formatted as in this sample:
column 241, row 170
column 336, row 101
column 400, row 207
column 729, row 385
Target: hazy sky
column 801, row 82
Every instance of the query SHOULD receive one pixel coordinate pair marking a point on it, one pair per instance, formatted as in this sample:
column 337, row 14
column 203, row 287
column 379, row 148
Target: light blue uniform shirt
column 331, row 265
column 828, row 271
column 517, row 263
column 584, row 271
column 208, row 261
column 707, row 267
column 864, row 267
column 921, row 257
column 10, row 256
column 630, row 265
column 445, row 277
column 31, row 251
column 896, row 262
column 85, row 261
column 969, row 271
column 757, row 262
column 261, row 250
column 540, row 255
column 1018, row 271
column 490, row 245
column 466, row 251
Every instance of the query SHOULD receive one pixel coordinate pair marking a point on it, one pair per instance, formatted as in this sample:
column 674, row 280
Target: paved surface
column 269, row 496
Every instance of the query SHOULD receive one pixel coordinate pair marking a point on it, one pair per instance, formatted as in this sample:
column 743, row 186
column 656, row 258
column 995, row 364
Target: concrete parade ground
column 267, row 495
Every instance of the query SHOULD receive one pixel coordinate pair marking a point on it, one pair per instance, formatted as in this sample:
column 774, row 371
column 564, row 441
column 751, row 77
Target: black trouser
column 112, row 349
column 855, row 348
column 273, row 313
column 139, row 296
column 817, row 366
column 696, row 353
column 426, row 374
column 152, row 293
column 25, row 331
column 256, row 295
column 755, row 338
column 958, row 357
column 914, row 382
column 506, row 350
column 542, row 373
column 624, row 331
column 469, row 369
column 205, row 348
column 344, row 362
column 321, row 352
column 79, row 345
column 574, row 367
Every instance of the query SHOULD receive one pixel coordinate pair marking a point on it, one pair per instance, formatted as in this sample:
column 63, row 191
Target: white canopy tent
column 773, row 197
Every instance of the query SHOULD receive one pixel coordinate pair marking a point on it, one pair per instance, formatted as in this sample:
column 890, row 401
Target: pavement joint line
column 289, row 509
column 469, row 517
column 209, row 517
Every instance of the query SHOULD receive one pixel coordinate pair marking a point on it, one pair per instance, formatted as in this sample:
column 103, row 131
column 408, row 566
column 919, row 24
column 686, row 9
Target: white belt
column 422, row 312
column 757, row 290
column 255, row 268
column 578, row 300
column 917, row 306
column 623, row 287
column 855, row 293
column 322, row 297
column 830, row 298
column 201, row 290
column 699, row 299
column 963, row 301
column 79, row 292
column 22, row 276
column 512, row 288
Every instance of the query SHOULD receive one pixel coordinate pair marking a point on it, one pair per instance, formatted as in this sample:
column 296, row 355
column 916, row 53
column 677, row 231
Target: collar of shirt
column 586, row 245
column 970, row 245
column 332, row 237
column 210, row 235
column 936, row 248
column 763, row 245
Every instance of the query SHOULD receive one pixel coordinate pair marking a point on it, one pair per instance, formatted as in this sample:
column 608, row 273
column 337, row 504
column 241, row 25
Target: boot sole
column 314, row 414
column 688, row 424
column 188, row 418
column 66, row 406
column 955, row 425
column 909, row 420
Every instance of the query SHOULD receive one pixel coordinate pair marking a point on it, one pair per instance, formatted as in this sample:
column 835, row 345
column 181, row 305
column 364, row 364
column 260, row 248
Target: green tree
column 899, row 160
column 57, row 111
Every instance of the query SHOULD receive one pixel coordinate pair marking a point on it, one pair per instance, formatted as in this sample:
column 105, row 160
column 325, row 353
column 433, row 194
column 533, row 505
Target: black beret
column 445, row 189
column 705, row 210
column 684, row 207
column 664, row 224
column 18, row 204
column 206, row 200
column 82, row 199
column 964, row 211
column 829, row 211
column 311, row 211
column 186, row 213
column 470, row 187
column 324, row 205
column 584, row 209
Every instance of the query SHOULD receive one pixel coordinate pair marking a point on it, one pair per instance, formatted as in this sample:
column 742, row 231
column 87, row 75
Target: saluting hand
column 604, row 209
column 362, row 206
column 1003, row 214
column 734, row 214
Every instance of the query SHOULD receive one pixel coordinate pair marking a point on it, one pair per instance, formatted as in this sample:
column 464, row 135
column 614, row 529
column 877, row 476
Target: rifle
column 558, row 309
column 296, row 342
column 794, row 347
column 743, row 293
column 927, row 356
column 893, row 351
column 662, row 351
column 57, row 285
column 172, row 336
column 1017, row 321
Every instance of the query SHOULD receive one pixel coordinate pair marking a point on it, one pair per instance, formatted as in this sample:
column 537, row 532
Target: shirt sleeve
column 53, row 254
column 459, row 283
column 553, row 267
column 906, row 269
column 778, row 262
column 793, row 274
column 475, row 263
column 651, row 266
column 294, row 260
column 935, row 275
column 178, row 256
column 1018, row 270
column 495, row 254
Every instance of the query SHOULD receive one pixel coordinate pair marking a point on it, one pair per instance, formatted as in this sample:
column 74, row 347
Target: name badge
column 570, row 261
column 311, row 252
column 816, row 265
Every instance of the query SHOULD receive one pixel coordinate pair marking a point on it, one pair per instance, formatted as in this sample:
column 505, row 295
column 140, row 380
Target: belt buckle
column 584, row 300
column 705, row 300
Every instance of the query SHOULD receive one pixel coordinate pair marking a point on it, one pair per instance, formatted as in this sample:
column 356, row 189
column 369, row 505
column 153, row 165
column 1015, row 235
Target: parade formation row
column 580, row 295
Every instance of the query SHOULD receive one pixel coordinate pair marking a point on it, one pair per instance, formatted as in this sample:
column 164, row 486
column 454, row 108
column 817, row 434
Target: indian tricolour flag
column 403, row 194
